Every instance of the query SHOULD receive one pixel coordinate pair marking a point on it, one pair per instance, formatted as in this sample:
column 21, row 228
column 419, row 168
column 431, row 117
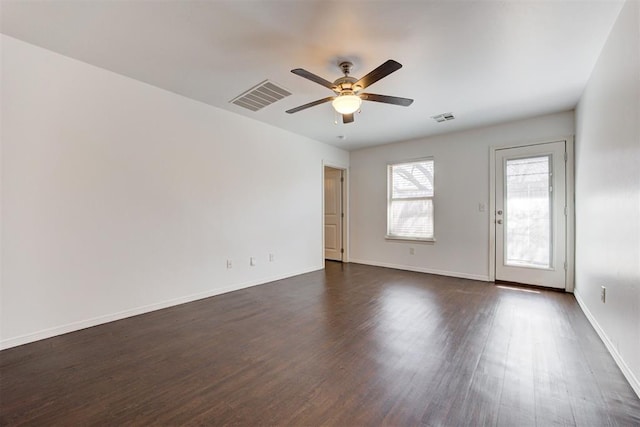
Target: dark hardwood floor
column 351, row 345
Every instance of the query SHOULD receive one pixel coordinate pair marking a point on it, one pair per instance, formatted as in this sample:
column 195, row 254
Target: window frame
column 390, row 200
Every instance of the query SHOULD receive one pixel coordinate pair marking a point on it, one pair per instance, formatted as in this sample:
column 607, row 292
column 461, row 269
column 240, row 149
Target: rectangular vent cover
column 258, row 97
column 444, row 117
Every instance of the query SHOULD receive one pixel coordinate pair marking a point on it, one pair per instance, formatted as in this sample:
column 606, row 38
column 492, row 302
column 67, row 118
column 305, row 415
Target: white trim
column 423, row 270
column 411, row 239
column 345, row 208
column 571, row 214
column 99, row 320
column 628, row 374
column 569, row 198
column 409, row 161
column 492, row 214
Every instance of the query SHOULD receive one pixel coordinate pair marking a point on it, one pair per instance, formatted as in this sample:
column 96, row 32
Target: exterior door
column 333, row 214
column 530, row 215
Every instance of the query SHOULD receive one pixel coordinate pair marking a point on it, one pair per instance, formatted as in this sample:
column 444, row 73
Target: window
column 410, row 200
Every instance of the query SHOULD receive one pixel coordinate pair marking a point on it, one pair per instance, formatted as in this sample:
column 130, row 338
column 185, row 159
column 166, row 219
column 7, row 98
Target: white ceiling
column 485, row 61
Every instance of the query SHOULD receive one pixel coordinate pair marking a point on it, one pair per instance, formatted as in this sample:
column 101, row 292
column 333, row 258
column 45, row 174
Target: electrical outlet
column 229, row 263
column 252, row 262
column 412, row 251
column 603, row 294
column 272, row 257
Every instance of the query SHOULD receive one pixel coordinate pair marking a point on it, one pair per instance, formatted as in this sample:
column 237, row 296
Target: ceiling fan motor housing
column 346, row 83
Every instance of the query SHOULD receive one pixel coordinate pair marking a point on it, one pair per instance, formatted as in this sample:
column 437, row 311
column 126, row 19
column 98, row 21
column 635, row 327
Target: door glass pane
column 527, row 213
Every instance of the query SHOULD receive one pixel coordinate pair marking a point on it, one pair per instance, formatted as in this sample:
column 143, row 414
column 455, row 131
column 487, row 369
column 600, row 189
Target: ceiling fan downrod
column 346, row 67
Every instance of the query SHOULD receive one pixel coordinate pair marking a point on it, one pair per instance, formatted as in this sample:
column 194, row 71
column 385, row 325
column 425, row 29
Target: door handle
column 499, row 221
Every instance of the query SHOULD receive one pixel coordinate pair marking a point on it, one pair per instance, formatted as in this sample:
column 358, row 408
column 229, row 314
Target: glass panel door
column 530, row 222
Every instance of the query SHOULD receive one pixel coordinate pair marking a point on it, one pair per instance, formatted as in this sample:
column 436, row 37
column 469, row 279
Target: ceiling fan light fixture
column 347, row 103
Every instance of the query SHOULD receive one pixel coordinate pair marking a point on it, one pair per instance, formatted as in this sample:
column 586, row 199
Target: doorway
column 334, row 218
column 530, row 222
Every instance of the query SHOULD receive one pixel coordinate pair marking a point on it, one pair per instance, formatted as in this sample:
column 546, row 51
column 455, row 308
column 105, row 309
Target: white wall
column 119, row 197
column 461, row 184
column 608, row 193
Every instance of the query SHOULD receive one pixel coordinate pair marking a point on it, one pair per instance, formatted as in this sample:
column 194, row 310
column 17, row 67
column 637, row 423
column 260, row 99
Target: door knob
column 499, row 221
column 499, row 212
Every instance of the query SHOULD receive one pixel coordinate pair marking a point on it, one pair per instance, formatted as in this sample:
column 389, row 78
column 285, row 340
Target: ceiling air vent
column 444, row 117
column 258, row 97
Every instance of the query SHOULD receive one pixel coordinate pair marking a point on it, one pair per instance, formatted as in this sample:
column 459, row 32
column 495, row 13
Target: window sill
column 411, row 239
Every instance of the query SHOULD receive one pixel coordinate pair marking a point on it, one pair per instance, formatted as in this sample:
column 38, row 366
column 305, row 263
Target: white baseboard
column 628, row 374
column 422, row 270
column 99, row 320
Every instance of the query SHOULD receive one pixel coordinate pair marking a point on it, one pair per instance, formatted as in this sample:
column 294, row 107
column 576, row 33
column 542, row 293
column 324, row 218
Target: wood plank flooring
column 350, row 345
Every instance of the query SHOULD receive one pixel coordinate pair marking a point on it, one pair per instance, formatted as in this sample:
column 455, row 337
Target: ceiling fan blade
column 382, row 71
column 395, row 100
column 311, row 104
column 347, row 118
column 310, row 76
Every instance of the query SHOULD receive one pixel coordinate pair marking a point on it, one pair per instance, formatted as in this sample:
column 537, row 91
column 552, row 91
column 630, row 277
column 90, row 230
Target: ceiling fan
column 348, row 89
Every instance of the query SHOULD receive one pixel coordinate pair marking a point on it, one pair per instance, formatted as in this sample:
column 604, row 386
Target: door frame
column 345, row 208
column 570, row 198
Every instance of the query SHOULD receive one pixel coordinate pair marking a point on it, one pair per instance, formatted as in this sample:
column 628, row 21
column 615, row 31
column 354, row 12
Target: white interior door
column 530, row 215
column 333, row 214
